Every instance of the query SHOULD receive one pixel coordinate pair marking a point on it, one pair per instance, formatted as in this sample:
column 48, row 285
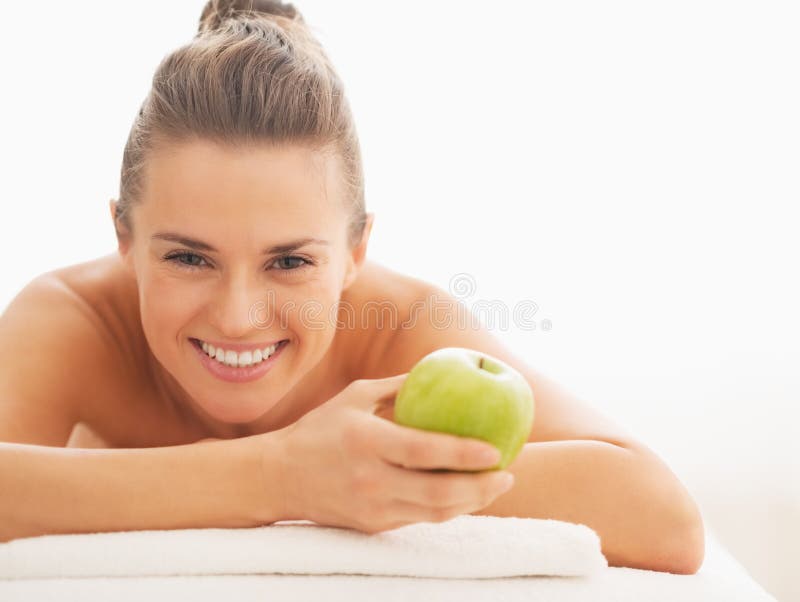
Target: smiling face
column 241, row 248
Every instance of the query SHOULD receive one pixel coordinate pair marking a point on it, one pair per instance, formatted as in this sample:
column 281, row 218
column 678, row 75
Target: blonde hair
column 253, row 74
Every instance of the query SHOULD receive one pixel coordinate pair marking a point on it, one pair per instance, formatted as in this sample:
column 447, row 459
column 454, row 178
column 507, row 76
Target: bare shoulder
column 378, row 283
column 118, row 401
column 402, row 311
column 129, row 411
column 432, row 318
column 111, row 296
column 377, row 304
column 61, row 354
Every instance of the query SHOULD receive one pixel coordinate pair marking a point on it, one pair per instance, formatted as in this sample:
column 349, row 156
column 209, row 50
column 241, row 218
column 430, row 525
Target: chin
column 233, row 411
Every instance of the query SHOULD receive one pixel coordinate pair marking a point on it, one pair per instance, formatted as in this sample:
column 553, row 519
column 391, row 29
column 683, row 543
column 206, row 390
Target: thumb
column 371, row 394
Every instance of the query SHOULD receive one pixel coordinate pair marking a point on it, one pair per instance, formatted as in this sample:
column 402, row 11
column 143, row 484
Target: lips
column 237, row 374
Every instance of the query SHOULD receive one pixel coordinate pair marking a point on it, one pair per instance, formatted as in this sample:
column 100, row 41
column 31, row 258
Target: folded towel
column 467, row 546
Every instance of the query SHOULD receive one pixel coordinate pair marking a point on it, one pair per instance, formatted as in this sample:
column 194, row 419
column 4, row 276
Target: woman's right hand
column 342, row 465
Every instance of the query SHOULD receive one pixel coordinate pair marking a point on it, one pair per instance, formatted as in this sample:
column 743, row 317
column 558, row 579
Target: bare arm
column 48, row 489
column 642, row 513
column 52, row 490
column 578, row 465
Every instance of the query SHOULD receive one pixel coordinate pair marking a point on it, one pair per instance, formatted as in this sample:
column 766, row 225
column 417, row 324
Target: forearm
column 50, row 490
column 644, row 516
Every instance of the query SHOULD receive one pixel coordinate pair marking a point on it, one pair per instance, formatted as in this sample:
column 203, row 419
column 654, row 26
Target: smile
column 240, row 359
column 238, row 367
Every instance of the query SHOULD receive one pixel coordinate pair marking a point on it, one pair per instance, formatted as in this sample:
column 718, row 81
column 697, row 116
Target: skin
column 267, row 197
column 141, row 383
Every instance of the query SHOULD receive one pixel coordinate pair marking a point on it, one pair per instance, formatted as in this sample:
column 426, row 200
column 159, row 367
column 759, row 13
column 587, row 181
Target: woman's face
column 269, row 261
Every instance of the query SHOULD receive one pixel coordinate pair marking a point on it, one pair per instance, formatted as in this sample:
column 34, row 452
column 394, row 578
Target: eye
column 291, row 262
column 178, row 260
column 186, row 260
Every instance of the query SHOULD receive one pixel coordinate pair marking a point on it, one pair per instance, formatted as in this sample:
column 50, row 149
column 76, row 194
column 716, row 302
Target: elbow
column 693, row 545
column 678, row 541
column 683, row 548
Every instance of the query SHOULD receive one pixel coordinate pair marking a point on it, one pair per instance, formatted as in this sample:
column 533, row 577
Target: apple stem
column 480, row 363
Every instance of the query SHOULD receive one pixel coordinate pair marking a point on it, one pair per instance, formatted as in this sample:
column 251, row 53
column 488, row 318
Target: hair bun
column 217, row 11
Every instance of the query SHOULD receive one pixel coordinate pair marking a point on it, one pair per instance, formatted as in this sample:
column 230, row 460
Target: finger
column 416, row 448
column 84, row 436
column 369, row 394
column 448, row 489
column 385, row 411
column 400, row 513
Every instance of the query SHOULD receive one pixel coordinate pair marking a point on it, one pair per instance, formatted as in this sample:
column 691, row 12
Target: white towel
column 466, row 546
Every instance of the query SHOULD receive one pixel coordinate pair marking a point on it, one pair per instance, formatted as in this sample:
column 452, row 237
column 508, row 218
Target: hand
column 342, row 465
column 85, row 437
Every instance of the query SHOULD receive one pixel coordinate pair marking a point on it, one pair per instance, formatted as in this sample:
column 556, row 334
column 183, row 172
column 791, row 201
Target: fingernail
column 490, row 455
column 508, row 481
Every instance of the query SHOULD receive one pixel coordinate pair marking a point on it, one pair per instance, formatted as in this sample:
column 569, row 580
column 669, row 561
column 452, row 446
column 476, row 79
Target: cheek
column 313, row 310
column 308, row 307
column 165, row 304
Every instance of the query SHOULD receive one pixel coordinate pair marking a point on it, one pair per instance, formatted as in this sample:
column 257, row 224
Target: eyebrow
column 199, row 245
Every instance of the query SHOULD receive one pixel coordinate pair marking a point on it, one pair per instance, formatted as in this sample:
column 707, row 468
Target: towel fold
column 467, row 546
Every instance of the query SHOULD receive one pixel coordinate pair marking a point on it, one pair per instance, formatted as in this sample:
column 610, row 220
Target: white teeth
column 233, row 359
column 245, row 359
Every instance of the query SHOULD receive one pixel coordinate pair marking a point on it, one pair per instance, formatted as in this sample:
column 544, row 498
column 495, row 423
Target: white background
column 631, row 167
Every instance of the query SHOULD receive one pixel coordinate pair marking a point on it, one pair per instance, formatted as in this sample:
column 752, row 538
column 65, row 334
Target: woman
column 225, row 357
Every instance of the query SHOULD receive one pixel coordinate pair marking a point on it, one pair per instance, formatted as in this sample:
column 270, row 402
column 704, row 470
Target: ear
column 358, row 254
column 123, row 236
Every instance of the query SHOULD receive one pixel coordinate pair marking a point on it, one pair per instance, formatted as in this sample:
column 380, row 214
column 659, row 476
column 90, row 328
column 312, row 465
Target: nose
column 238, row 306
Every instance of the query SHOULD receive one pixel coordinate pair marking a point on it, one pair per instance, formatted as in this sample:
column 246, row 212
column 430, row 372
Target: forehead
column 204, row 180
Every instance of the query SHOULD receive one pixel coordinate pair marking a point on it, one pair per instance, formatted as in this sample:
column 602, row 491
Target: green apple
column 471, row 394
